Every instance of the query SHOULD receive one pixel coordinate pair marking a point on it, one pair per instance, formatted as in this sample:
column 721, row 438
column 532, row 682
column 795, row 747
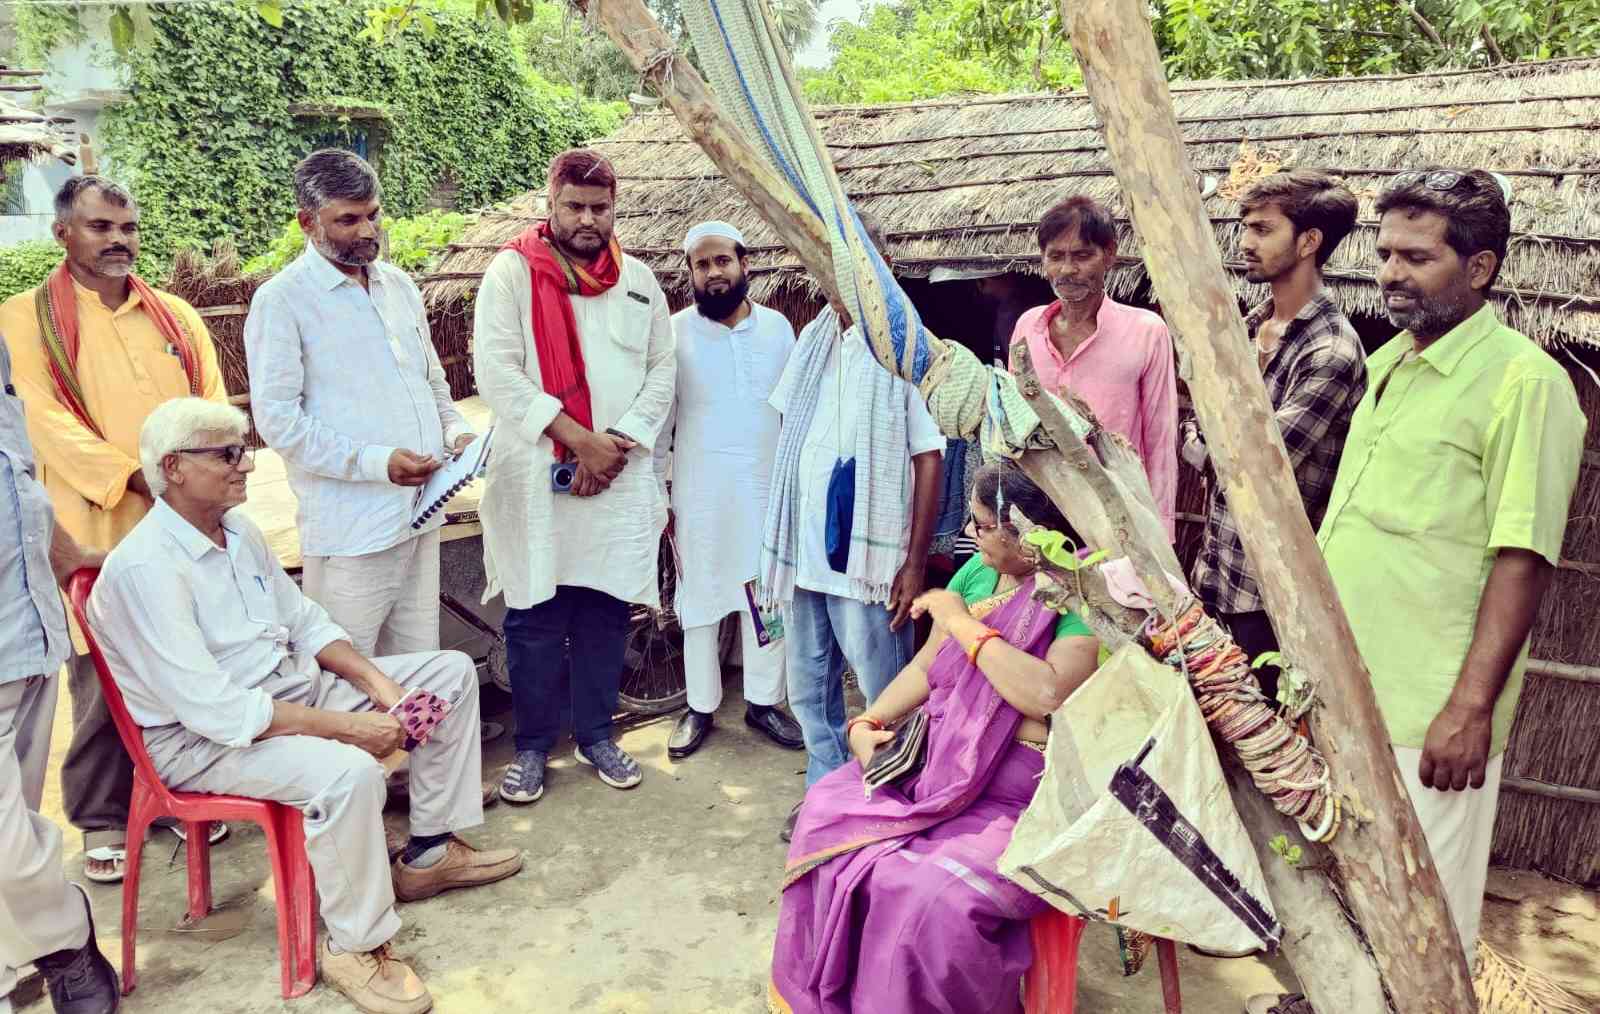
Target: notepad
column 451, row 478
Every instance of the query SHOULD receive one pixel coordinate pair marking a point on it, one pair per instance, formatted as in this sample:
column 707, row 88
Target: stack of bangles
column 1283, row 763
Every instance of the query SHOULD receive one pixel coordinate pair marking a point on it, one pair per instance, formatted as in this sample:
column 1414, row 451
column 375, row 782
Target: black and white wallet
column 902, row 756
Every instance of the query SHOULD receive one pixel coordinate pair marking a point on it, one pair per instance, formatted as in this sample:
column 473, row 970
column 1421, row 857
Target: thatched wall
column 963, row 183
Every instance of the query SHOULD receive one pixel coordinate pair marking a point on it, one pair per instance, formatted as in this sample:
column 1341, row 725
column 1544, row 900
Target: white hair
column 183, row 424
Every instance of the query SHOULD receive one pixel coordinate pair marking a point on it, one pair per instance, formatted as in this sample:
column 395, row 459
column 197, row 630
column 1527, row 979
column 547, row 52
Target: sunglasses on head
column 1446, row 180
column 231, row 454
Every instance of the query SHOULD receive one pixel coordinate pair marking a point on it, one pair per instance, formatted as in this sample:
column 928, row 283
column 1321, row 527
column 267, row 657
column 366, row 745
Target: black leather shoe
column 779, row 727
column 691, row 730
column 81, row 981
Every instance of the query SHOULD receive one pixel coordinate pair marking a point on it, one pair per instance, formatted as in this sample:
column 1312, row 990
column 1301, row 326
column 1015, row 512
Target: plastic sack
column 1132, row 822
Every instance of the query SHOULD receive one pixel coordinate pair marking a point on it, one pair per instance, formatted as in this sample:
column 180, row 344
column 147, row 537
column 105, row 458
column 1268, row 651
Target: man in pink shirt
column 1116, row 358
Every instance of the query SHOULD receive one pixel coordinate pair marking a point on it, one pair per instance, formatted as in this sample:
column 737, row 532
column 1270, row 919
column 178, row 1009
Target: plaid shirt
column 1314, row 382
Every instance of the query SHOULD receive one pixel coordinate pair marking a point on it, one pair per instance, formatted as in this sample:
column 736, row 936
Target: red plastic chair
column 286, row 839
column 1051, row 985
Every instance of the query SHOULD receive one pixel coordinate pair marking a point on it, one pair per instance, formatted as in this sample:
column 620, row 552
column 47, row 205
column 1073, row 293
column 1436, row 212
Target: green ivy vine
column 207, row 140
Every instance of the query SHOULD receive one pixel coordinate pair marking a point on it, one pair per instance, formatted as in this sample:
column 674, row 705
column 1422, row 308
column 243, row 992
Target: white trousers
column 340, row 789
column 1459, row 827
column 40, row 912
column 702, row 666
column 388, row 601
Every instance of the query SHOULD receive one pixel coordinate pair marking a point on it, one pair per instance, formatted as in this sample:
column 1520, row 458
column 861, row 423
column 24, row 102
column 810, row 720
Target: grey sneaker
column 611, row 763
column 524, row 779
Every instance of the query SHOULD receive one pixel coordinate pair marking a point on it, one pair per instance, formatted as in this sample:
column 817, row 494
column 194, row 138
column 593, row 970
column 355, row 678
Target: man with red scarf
column 573, row 350
column 94, row 350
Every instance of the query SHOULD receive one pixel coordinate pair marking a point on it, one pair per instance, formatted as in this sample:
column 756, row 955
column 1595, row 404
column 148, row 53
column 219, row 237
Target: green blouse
column 974, row 581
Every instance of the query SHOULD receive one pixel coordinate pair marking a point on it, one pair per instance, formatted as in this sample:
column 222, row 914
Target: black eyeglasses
column 978, row 527
column 231, row 454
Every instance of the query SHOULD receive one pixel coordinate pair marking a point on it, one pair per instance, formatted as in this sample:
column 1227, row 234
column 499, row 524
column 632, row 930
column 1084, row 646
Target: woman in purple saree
column 893, row 904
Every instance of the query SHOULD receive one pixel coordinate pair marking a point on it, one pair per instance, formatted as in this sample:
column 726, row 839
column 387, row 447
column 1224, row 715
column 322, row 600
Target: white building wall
column 82, row 79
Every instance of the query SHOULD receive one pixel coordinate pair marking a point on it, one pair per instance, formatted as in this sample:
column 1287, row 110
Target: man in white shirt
column 839, row 405
column 572, row 348
column 244, row 686
column 723, row 440
column 346, row 386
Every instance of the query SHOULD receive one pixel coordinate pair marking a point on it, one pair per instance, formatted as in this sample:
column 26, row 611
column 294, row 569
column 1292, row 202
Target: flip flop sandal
column 117, row 856
column 219, row 831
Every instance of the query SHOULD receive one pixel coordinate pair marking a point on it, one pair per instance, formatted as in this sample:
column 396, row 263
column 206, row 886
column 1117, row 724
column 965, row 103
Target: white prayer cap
column 707, row 229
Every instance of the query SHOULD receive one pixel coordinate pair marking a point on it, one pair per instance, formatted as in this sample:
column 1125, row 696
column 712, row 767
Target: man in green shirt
column 1447, row 514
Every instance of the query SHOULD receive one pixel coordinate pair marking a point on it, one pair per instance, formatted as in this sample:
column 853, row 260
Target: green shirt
column 974, row 581
column 1473, row 447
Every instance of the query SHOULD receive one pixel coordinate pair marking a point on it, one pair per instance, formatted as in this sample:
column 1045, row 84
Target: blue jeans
column 595, row 626
column 822, row 634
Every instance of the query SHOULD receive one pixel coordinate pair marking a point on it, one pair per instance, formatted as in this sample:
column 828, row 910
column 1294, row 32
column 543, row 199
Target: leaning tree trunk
column 1390, row 882
column 1395, row 900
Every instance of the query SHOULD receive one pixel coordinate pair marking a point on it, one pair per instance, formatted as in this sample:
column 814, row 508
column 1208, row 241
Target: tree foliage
column 910, row 49
column 913, row 49
column 207, row 138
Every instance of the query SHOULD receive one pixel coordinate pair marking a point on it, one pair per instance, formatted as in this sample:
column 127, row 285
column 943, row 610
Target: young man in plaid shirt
column 1314, row 369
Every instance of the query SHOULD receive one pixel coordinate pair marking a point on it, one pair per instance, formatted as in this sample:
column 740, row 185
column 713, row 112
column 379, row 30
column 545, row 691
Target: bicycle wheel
column 653, row 681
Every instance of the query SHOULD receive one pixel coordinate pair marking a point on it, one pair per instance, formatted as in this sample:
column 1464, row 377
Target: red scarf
column 556, row 279
column 57, row 306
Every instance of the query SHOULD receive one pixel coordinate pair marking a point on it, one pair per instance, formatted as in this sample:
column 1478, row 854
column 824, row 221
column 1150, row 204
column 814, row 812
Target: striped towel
column 881, row 521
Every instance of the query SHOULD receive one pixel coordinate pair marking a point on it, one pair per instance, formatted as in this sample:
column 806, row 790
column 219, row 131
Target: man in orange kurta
column 92, row 357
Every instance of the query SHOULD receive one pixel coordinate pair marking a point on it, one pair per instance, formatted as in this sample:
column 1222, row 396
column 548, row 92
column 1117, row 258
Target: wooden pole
column 1387, row 874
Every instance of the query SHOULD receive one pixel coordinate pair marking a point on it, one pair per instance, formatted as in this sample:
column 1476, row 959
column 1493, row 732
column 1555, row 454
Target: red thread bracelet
column 849, row 726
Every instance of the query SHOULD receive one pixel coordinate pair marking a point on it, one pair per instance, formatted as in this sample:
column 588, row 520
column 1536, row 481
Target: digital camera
column 562, row 473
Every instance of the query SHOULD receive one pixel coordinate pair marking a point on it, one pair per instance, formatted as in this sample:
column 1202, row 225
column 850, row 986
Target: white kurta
column 722, row 455
column 534, row 539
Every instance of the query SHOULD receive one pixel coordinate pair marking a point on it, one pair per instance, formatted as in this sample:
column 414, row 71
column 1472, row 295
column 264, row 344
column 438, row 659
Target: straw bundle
column 1505, row 985
column 216, row 286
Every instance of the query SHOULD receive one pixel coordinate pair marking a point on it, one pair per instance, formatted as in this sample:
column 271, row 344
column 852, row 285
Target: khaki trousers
column 388, row 601
column 40, row 912
column 340, row 789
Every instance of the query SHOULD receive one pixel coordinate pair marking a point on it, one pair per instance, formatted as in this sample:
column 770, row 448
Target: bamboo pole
column 1387, row 873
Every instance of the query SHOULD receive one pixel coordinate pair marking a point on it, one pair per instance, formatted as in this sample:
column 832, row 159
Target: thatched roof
column 25, row 134
column 961, row 183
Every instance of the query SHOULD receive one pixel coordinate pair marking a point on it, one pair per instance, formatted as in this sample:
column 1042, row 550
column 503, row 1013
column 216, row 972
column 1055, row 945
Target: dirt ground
column 661, row 899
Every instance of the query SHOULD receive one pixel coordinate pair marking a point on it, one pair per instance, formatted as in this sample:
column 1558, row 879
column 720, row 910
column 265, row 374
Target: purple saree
column 893, row 905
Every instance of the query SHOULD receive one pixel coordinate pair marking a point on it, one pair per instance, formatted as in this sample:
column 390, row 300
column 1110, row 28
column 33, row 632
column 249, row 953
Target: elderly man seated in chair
column 244, row 686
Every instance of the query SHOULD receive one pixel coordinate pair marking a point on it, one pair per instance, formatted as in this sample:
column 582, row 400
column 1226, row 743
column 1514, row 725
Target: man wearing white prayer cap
column 723, row 439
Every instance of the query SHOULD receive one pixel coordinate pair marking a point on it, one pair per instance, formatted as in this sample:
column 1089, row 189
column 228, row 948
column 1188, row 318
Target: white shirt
column 723, row 449
column 833, row 436
column 341, row 376
column 192, row 630
column 534, row 539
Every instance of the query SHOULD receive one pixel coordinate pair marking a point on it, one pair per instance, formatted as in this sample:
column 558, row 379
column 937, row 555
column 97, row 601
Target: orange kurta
column 125, row 370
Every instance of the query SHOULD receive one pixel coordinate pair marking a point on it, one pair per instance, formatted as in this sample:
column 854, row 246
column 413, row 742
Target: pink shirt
column 1125, row 372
